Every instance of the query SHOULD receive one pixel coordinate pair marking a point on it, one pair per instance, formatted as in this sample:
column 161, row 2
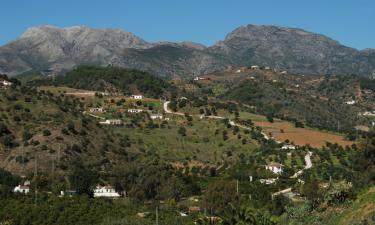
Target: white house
column 275, row 168
column 5, row 83
column 288, row 147
column 254, row 67
column 137, row 97
column 68, row 193
column 105, row 191
column 97, row 109
column 156, row 116
column 352, row 102
column 25, row 188
column 135, row 110
column 268, row 181
column 111, row 122
column 267, row 68
column 284, row 72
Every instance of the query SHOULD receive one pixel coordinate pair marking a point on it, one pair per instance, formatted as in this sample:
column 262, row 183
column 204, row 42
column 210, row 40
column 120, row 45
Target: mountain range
column 52, row 49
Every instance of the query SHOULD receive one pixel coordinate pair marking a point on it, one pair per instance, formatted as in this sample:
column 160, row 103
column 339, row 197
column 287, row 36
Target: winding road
column 231, row 122
column 297, row 174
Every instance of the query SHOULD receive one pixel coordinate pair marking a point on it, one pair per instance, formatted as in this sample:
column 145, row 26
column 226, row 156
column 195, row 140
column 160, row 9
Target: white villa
column 97, row 109
column 135, row 110
column 111, row 122
column 275, row 168
column 156, row 116
column 6, row 83
column 254, row 67
column 25, row 188
column 288, row 147
column 105, row 191
column 352, row 102
column 137, row 97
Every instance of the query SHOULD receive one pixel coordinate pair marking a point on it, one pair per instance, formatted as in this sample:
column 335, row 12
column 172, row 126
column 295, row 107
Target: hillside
column 316, row 101
column 172, row 159
column 50, row 49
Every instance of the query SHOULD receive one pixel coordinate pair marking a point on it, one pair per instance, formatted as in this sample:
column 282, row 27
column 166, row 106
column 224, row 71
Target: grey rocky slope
column 55, row 49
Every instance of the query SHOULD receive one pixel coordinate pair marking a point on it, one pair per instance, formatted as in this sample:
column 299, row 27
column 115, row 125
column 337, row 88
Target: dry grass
column 301, row 136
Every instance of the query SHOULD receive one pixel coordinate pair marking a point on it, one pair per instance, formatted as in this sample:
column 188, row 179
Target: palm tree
column 244, row 216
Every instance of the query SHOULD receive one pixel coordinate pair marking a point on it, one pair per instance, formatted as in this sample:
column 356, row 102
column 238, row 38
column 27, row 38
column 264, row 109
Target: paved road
column 166, row 109
column 307, row 166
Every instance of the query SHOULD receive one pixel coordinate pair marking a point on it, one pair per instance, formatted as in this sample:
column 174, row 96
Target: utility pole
column 157, row 216
column 53, row 169
column 58, row 155
column 338, row 125
column 35, row 180
column 237, row 187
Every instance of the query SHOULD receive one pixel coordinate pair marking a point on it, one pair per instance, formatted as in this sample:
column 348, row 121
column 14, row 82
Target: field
column 301, row 136
column 69, row 91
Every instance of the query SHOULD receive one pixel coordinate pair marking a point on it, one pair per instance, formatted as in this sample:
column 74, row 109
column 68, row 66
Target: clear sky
column 351, row 22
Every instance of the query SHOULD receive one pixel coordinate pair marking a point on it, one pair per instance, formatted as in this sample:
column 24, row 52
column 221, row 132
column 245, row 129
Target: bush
column 46, row 133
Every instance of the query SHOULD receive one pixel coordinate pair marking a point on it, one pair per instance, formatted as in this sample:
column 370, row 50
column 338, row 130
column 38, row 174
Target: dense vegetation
column 112, row 80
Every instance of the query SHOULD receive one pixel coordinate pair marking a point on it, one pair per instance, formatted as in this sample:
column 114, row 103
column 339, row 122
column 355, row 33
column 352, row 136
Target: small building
column 199, row 78
column 105, row 191
column 135, row 110
column 68, row 193
column 194, row 209
column 284, row 72
column 254, row 67
column 275, row 168
column 97, row 109
column 288, row 147
column 352, row 102
column 156, row 116
column 6, row 83
column 137, row 97
column 267, row 68
column 111, row 122
column 268, row 181
column 24, row 189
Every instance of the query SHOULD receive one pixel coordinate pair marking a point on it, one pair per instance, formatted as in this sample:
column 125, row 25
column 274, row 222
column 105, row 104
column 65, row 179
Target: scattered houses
column 105, row 191
column 111, row 122
column 135, row 110
column 97, row 109
column 137, row 97
column 24, row 189
column 275, row 168
column 288, row 147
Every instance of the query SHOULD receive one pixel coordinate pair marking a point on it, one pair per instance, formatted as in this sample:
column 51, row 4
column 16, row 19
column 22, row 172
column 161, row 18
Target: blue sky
column 351, row 22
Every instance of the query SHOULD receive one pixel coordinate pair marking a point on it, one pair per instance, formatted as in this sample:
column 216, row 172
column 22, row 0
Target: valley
column 157, row 141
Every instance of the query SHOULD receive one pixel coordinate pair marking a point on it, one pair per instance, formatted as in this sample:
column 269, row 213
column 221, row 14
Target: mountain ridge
column 293, row 49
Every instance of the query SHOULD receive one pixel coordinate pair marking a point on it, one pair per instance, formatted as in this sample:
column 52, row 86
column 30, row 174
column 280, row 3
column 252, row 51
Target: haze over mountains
column 58, row 50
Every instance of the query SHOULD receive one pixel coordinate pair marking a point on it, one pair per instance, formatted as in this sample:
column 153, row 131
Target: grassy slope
column 362, row 209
